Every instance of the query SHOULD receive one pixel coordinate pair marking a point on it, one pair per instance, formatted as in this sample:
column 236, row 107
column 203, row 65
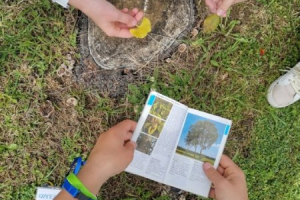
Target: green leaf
column 214, row 63
column 12, row 147
column 8, row 147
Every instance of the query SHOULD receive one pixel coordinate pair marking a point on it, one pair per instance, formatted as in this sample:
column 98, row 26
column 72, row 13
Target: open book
column 173, row 141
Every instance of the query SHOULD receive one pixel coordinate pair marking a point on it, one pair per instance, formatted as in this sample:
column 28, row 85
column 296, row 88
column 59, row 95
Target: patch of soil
column 240, row 138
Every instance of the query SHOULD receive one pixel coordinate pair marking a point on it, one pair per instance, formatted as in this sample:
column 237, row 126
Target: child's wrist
column 80, row 4
column 93, row 177
column 102, row 161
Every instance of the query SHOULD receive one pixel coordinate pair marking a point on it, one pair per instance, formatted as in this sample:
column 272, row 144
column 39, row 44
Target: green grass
column 222, row 73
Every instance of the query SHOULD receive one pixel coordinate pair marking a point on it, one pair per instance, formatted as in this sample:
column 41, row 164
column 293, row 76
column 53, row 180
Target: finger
column 213, row 175
column 212, row 193
column 125, row 10
column 122, row 33
column 221, row 170
column 133, row 12
column 123, row 128
column 128, row 136
column 126, row 19
column 211, row 5
column 120, row 26
column 226, row 162
column 139, row 16
column 130, row 144
column 230, row 168
column 219, row 3
column 130, row 147
column 224, row 6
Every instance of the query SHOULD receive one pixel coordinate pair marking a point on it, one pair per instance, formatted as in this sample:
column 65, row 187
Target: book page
column 156, row 136
column 203, row 137
column 43, row 193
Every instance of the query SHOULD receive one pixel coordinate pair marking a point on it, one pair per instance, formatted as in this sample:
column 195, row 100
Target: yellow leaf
column 211, row 23
column 141, row 30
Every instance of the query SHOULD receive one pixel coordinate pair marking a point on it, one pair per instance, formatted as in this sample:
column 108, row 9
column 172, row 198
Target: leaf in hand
column 141, row 30
column 211, row 23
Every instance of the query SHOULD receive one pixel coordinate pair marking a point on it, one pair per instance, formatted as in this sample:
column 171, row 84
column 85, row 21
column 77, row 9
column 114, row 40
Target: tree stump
column 171, row 21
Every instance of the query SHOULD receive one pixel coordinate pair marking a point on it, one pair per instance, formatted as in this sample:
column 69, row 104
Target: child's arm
column 111, row 155
column 113, row 22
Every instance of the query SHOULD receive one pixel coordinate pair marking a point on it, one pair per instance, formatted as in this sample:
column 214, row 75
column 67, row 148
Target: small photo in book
column 145, row 143
column 161, row 108
column 153, row 126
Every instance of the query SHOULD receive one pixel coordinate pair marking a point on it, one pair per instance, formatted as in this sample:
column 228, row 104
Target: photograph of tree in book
column 161, row 108
column 153, row 126
column 145, row 143
column 200, row 138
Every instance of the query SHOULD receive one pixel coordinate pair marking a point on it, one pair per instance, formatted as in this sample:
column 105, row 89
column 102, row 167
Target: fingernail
column 206, row 166
column 220, row 12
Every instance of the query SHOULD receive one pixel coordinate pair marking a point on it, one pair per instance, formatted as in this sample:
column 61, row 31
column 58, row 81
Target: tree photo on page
column 202, row 134
column 200, row 138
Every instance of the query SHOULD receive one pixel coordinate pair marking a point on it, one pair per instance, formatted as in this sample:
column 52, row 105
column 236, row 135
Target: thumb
column 213, row 175
column 130, row 147
column 126, row 19
column 212, row 5
column 223, row 7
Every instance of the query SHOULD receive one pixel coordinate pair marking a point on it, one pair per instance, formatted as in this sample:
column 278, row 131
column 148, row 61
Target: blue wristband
column 71, row 189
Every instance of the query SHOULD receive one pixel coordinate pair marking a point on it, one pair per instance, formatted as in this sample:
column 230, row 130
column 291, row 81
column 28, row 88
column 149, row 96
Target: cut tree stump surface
column 171, row 21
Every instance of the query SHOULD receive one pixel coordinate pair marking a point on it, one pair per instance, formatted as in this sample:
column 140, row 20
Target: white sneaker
column 286, row 89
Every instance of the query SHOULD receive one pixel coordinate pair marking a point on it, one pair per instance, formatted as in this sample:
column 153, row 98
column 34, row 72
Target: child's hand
column 114, row 22
column 114, row 151
column 220, row 7
column 228, row 180
column 111, row 155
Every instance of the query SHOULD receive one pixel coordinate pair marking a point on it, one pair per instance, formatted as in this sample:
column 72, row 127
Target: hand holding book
column 173, row 142
column 229, row 180
column 176, row 145
column 111, row 155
